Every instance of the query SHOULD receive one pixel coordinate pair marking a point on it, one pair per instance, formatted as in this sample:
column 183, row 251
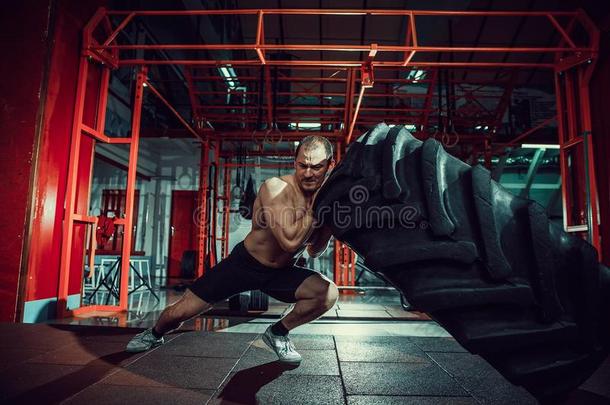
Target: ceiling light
column 305, row 125
column 416, row 75
column 539, row 146
column 408, row 127
column 228, row 73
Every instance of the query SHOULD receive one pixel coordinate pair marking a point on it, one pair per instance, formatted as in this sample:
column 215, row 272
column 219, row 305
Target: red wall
column 50, row 186
column 24, row 48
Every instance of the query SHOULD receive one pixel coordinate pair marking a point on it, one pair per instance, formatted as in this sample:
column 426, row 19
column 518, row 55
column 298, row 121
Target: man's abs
column 264, row 248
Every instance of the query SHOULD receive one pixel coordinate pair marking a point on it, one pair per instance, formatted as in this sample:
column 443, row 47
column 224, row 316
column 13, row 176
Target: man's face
column 311, row 167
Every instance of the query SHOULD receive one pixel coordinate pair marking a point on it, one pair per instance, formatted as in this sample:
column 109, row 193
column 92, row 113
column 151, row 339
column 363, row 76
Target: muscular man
column 282, row 227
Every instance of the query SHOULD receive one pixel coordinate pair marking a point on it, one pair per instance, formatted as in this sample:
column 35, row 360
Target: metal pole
column 226, row 211
column 202, row 214
column 68, row 224
column 131, row 185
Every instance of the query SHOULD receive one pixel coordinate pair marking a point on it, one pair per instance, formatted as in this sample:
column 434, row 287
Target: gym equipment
column 239, row 302
column 259, row 301
column 254, row 300
column 110, row 282
column 246, row 203
column 188, row 264
column 487, row 265
column 104, row 230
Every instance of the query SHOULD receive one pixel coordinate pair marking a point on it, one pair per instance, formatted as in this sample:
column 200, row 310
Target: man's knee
column 327, row 294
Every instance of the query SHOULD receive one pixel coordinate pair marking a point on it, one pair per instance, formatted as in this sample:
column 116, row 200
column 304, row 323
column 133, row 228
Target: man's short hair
column 312, row 141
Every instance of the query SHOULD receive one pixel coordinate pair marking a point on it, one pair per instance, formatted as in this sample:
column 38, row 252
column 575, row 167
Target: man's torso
column 260, row 242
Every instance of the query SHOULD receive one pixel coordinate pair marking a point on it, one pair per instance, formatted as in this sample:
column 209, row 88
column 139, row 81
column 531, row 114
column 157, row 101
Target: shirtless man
column 282, row 227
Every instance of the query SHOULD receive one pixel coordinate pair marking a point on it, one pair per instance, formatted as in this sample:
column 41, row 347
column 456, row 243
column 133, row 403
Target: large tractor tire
column 487, row 265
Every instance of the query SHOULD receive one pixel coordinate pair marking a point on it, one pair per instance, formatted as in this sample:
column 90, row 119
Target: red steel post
column 68, row 224
column 131, row 185
column 584, row 74
column 201, row 212
column 226, row 213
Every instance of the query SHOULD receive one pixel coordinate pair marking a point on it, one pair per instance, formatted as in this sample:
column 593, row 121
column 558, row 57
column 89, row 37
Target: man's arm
column 319, row 241
column 290, row 227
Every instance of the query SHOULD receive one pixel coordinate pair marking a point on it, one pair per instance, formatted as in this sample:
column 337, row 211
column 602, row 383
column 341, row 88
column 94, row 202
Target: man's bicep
column 273, row 204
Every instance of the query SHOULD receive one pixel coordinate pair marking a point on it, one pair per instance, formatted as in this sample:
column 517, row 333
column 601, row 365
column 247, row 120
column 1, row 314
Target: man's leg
column 230, row 276
column 314, row 296
column 188, row 306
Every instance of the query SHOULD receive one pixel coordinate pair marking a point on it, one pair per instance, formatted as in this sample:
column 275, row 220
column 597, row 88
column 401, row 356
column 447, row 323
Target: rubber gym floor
column 222, row 360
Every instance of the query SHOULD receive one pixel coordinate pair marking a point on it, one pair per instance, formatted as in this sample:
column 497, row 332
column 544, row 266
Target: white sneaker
column 143, row 341
column 282, row 346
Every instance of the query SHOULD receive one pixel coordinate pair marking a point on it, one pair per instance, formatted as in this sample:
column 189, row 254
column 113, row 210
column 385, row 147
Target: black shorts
column 240, row 272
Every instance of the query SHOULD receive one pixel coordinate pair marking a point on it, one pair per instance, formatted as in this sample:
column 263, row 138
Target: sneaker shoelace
column 286, row 345
column 147, row 335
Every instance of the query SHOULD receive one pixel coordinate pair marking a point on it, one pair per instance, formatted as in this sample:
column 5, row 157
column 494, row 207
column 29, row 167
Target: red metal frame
column 409, row 49
column 568, row 53
column 570, row 66
column 572, row 79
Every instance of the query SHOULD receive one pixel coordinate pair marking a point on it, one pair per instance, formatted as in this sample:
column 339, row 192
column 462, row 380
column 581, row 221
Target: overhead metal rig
column 257, row 92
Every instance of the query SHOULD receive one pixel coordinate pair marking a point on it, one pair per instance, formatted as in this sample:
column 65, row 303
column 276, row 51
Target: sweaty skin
column 282, row 221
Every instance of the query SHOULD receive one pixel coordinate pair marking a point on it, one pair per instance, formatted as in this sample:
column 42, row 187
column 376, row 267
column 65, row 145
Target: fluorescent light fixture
column 416, row 75
column 305, row 125
column 408, row 127
column 539, row 146
column 229, row 75
column 481, row 127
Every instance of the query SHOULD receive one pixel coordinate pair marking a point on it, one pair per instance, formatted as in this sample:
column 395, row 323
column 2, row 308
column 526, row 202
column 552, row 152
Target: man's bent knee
column 320, row 289
column 327, row 295
column 331, row 296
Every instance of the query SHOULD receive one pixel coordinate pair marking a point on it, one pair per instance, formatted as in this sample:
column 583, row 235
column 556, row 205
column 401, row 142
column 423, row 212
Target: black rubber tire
column 489, row 266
